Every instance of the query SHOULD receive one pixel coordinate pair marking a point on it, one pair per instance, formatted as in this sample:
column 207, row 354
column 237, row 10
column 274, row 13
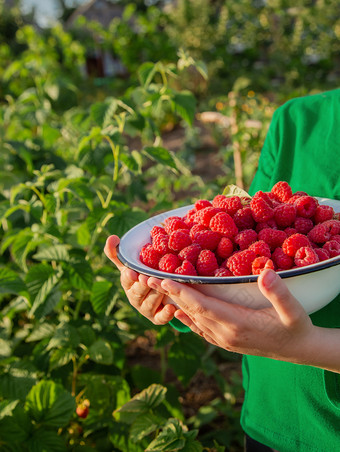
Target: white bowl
column 313, row 285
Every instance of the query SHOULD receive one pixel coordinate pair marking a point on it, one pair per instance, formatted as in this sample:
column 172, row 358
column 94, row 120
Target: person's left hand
column 283, row 331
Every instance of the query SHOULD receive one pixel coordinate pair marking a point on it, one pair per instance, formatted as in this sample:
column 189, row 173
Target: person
column 291, row 360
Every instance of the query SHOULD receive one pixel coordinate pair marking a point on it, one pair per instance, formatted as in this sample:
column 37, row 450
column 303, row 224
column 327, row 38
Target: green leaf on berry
column 234, row 190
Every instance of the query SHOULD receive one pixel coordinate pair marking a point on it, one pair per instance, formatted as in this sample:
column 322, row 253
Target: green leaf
column 64, row 336
column 124, row 220
column 21, row 246
column 101, row 296
column 161, row 155
column 15, row 428
column 57, row 253
column 46, row 298
column 10, row 282
column 184, row 104
column 103, row 112
column 146, row 73
column 142, row 403
column 171, row 438
column 234, row 190
column 46, row 441
column 144, row 425
column 6, row 408
column 101, row 352
column 81, row 275
column 60, row 357
column 49, row 404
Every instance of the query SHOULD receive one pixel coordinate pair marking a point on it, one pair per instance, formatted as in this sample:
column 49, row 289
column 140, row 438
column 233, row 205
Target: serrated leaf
column 161, row 155
column 46, row 440
column 81, row 275
column 49, row 404
column 83, row 235
column 144, row 425
column 64, row 336
column 46, row 298
column 15, row 387
column 184, row 104
column 10, row 282
column 146, row 73
column 234, row 190
column 21, row 246
column 101, row 352
column 57, row 253
column 14, row 429
column 40, row 331
column 100, row 296
column 103, row 112
column 60, row 357
column 170, row 439
column 125, row 220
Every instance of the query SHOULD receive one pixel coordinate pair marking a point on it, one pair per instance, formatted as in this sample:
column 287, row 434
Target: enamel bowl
column 314, row 286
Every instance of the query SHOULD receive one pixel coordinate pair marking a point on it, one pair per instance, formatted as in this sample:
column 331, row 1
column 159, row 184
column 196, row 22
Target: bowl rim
column 143, row 269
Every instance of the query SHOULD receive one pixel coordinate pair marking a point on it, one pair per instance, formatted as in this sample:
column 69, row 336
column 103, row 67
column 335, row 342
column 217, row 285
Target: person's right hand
column 149, row 302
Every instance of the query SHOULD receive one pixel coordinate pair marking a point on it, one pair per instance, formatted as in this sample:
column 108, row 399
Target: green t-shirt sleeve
column 179, row 326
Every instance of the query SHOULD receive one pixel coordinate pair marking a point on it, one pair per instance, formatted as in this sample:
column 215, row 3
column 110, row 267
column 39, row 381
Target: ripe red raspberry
column 186, row 269
column 336, row 237
column 260, row 248
column 169, row 262
column 204, row 216
column 282, row 191
column 157, row 230
column 207, row 239
column 171, row 224
column 206, row 263
column 273, row 237
column 333, row 248
column 83, row 409
column 290, row 231
column 294, row 242
column 190, row 218
column 149, row 256
column 284, row 215
column 243, row 219
column 323, row 232
column 229, row 204
column 240, row 262
column 196, row 228
column 323, row 213
column 190, row 253
column 260, row 263
column 224, row 248
column 266, row 224
column 223, row 223
column 202, row 203
column 245, row 238
column 305, row 256
column 222, row 272
column 306, row 206
column 303, row 225
column 281, row 260
column 160, row 243
column 179, row 239
column 261, row 209
column 322, row 254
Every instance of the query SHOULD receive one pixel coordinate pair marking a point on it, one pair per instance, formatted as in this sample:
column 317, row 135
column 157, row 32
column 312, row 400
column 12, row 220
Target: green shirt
column 291, row 407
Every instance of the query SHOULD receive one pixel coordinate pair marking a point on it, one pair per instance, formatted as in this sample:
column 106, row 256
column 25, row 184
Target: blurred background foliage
column 110, row 113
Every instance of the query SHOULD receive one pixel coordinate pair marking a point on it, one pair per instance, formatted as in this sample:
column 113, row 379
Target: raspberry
column 260, row 263
column 224, row 224
column 323, row 213
column 303, row 225
column 336, row 237
column 282, row 260
column 171, row 224
column 260, row 248
column 221, row 272
column 202, row 203
column 190, row 218
column 282, row 191
column 273, row 237
column 160, row 243
column 229, row 204
column 306, row 206
column 179, row 239
column 157, row 230
column 305, row 256
column 291, row 245
column 196, row 228
column 190, row 253
column 207, row 239
column 169, row 262
column 149, row 256
column 284, row 215
column 243, row 219
column 186, row 269
column 204, row 216
column 225, row 248
column 206, row 263
column 245, row 238
column 322, row 254
column 323, row 232
column 333, row 248
column 261, row 209
column 290, row 231
column 266, row 224
column 240, row 262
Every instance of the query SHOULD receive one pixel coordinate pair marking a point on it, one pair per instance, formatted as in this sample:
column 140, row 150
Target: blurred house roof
column 101, row 11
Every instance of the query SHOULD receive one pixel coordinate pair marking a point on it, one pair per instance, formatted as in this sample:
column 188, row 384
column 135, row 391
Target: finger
column 276, row 291
column 195, row 304
column 110, row 250
column 128, row 278
column 164, row 314
column 200, row 330
column 156, row 284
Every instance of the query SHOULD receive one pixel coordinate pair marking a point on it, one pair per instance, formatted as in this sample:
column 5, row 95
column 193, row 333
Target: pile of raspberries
column 238, row 236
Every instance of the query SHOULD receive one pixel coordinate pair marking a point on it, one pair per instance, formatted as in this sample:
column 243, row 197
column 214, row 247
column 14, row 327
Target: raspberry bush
column 238, row 236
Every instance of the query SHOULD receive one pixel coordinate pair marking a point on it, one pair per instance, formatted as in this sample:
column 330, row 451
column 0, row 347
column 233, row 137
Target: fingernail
column 269, row 278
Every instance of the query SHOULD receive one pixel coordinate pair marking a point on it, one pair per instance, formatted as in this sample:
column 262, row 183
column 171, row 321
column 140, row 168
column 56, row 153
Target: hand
column 283, row 331
column 149, row 302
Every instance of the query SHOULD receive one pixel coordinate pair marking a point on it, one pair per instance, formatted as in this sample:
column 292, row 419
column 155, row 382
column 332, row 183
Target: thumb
column 276, row 291
column 110, row 250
